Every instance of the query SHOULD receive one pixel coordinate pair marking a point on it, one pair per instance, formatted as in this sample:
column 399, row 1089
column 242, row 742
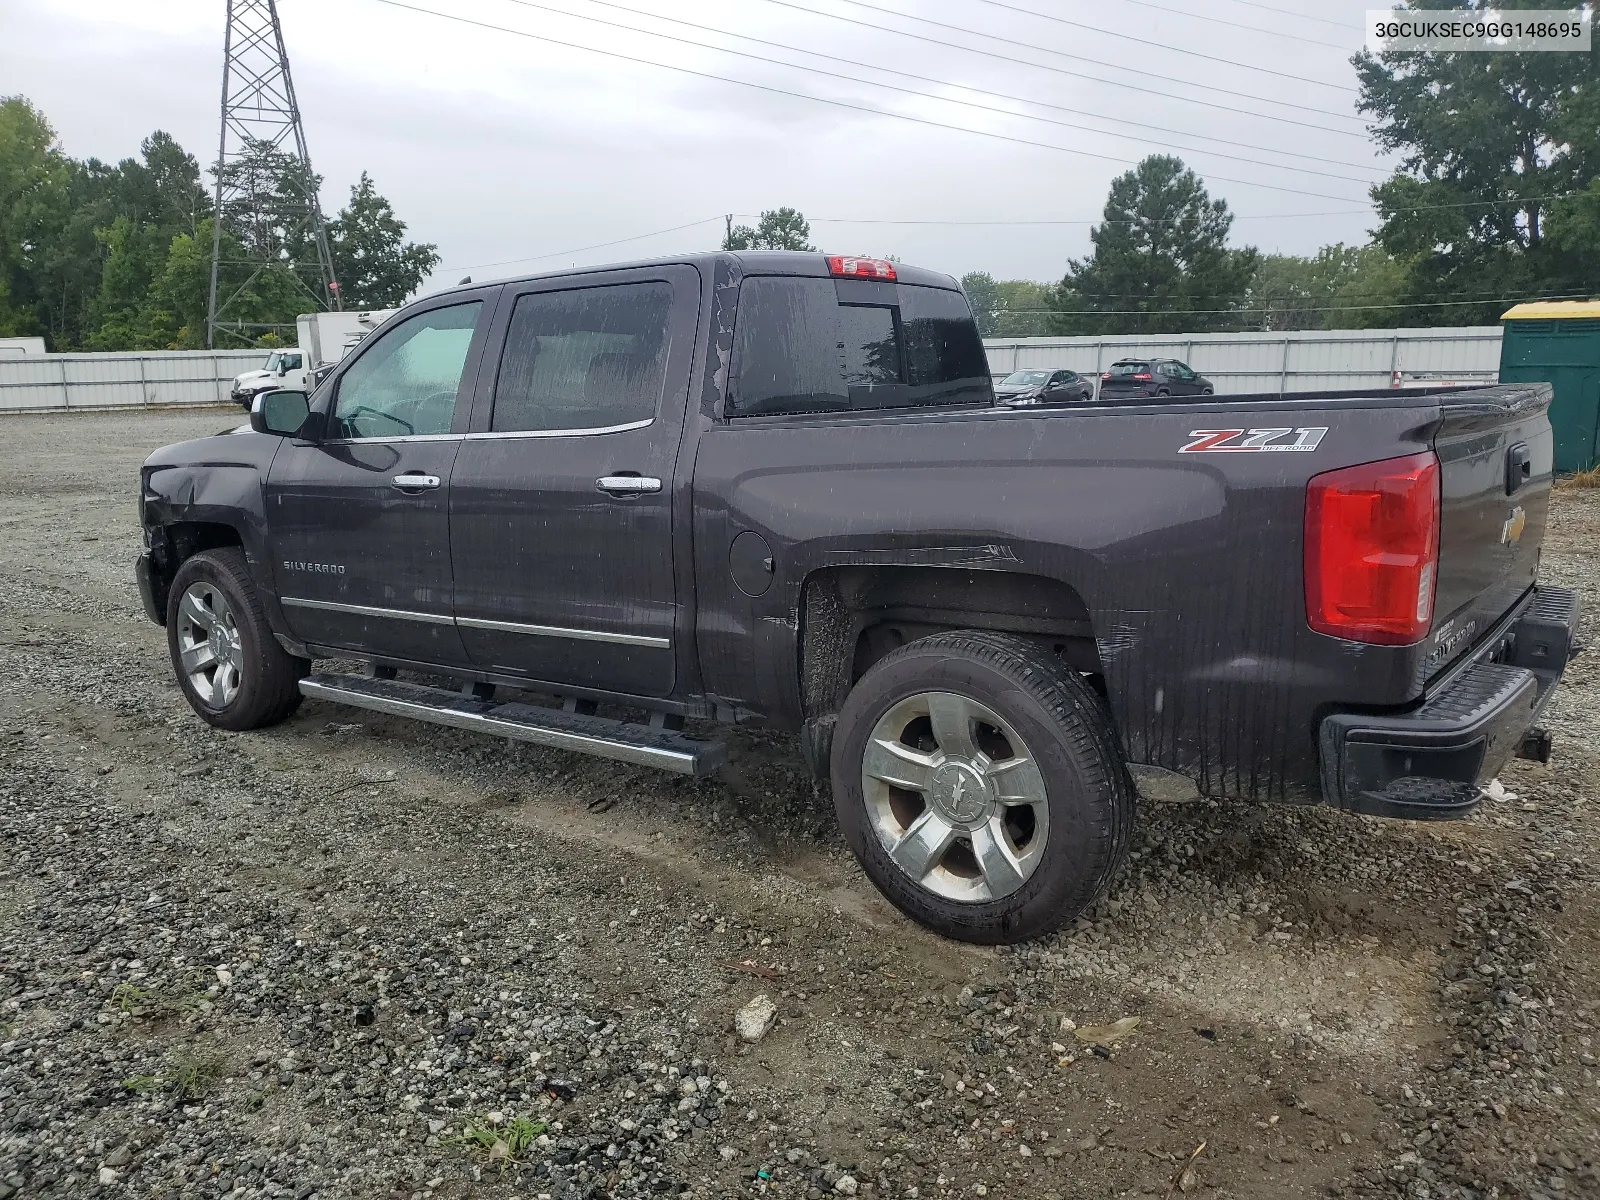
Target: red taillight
column 1372, row 549
column 861, row 268
column 1107, row 375
column 1143, row 378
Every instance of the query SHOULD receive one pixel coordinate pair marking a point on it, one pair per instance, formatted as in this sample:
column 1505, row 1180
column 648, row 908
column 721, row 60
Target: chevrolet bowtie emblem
column 1511, row 531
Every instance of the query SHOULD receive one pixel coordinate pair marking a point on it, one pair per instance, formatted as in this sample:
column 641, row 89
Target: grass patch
column 503, row 1142
column 131, row 998
column 143, row 1084
column 195, row 1072
column 1581, row 479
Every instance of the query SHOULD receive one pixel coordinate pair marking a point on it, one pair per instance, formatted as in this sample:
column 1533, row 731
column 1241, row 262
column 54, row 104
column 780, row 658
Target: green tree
column 983, row 297
column 778, row 229
column 174, row 315
column 1009, row 307
column 1485, row 141
column 1161, row 262
column 1025, row 308
column 35, row 179
column 1371, row 293
column 374, row 264
column 1338, row 287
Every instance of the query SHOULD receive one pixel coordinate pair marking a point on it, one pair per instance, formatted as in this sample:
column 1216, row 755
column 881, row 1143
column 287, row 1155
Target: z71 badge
column 1257, row 441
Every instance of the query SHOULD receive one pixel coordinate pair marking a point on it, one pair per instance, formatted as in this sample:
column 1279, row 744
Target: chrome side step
column 600, row 736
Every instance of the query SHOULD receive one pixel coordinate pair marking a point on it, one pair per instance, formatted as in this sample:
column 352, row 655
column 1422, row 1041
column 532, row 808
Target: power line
column 533, row 4
column 962, row 29
column 1143, row 88
column 639, row 237
column 744, row 37
column 998, row 221
column 1465, row 296
column 1343, row 212
column 1179, row 12
column 1128, row 37
column 1257, row 308
column 1285, row 12
column 878, row 112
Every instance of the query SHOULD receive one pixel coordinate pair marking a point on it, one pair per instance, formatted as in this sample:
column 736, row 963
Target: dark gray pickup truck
column 580, row 509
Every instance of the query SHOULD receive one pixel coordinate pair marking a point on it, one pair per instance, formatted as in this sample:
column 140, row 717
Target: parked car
column 1043, row 388
column 1131, row 377
column 774, row 489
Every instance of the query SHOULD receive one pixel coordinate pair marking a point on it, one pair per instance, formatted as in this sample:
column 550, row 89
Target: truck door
column 358, row 522
column 561, row 507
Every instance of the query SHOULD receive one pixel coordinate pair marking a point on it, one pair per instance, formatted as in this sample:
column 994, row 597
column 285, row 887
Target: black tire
column 1163, row 392
column 268, row 676
column 1068, row 733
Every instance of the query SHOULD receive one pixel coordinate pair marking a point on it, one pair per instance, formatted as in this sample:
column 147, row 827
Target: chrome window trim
column 510, row 434
column 400, row 614
column 402, row 437
column 580, row 635
column 497, row 435
column 367, row 610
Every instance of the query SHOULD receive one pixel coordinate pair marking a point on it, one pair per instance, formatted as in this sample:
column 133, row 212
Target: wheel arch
column 174, row 543
column 852, row 616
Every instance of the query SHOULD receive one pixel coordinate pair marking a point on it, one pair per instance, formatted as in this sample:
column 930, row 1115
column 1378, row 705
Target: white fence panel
column 1309, row 360
column 53, row 382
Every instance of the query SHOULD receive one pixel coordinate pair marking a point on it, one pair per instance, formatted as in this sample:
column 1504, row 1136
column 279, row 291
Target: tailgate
column 1496, row 457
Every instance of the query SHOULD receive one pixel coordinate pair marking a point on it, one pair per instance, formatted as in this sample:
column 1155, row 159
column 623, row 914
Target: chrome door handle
column 628, row 485
column 415, row 482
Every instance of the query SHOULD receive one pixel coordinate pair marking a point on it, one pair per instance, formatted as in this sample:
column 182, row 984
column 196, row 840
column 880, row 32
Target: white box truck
column 324, row 338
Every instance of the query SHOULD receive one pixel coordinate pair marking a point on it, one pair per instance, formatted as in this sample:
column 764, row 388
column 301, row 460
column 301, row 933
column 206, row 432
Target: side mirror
column 281, row 412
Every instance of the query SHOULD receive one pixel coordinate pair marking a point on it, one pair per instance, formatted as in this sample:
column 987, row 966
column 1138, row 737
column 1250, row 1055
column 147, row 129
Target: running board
column 600, row 736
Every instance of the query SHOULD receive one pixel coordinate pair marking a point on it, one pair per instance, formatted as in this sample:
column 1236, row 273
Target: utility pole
column 260, row 114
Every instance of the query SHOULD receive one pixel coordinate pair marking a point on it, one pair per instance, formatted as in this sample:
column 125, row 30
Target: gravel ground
column 356, row 957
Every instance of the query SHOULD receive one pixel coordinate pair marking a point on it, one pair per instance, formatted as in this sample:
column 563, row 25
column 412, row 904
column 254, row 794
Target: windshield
column 273, row 361
column 1020, row 379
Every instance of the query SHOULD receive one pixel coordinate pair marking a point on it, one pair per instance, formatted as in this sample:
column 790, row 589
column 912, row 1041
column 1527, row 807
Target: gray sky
column 503, row 147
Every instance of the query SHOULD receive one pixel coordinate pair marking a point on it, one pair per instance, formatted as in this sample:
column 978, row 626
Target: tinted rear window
column 1129, row 368
column 797, row 349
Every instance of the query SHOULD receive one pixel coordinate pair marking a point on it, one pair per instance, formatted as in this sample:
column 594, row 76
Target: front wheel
column 1207, row 391
column 229, row 666
column 979, row 782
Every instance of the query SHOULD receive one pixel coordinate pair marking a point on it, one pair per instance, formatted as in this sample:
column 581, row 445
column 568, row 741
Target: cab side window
column 589, row 358
column 406, row 382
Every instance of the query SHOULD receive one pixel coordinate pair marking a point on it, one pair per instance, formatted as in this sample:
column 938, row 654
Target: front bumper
column 1433, row 762
column 150, row 589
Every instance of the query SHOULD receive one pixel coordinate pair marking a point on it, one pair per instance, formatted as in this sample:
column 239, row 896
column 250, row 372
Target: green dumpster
column 1558, row 342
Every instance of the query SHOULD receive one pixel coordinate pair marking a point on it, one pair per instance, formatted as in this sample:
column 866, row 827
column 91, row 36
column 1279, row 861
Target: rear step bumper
column 1433, row 762
column 621, row 740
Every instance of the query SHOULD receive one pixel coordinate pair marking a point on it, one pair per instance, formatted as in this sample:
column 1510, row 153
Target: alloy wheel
column 209, row 645
column 955, row 797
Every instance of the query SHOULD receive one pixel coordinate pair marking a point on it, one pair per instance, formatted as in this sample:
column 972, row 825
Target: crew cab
column 582, row 509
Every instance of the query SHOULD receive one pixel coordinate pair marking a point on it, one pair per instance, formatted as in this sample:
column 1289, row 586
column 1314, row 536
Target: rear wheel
column 229, row 666
column 979, row 782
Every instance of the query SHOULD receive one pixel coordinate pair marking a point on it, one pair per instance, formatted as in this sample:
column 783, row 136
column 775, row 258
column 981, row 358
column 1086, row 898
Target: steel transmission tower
column 260, row 114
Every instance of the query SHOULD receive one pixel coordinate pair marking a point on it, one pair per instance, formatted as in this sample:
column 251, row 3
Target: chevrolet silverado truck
column 582, row 509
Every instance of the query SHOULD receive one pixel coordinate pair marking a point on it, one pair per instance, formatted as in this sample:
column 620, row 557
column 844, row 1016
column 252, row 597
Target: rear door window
column 798, row 349
column 589, row 358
